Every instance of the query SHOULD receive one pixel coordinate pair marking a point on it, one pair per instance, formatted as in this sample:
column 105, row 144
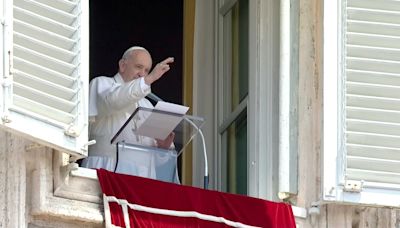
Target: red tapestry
column 131, row 201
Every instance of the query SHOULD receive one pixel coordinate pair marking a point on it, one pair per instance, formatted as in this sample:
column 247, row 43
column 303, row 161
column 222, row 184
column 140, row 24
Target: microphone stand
column 204, row 153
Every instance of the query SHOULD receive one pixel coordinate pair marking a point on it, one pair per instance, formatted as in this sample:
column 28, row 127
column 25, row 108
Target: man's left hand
column 166, row 143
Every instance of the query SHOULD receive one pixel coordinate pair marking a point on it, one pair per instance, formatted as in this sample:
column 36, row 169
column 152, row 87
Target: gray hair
column 131, row 49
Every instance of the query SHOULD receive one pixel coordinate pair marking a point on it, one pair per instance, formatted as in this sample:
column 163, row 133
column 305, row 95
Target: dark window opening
column 156, row 25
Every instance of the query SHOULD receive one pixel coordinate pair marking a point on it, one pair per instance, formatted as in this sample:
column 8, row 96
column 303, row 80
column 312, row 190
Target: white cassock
column 111, row 102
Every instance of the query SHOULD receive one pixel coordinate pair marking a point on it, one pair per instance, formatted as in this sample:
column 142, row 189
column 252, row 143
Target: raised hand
column 159, row 70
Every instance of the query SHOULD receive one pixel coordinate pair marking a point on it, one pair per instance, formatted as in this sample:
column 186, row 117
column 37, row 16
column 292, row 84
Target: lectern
column 136, row 148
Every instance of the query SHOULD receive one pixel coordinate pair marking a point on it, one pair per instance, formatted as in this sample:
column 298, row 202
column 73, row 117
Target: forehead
column 140, row 56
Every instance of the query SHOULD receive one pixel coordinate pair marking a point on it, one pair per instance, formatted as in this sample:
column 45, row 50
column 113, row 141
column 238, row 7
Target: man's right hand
column 158, row 71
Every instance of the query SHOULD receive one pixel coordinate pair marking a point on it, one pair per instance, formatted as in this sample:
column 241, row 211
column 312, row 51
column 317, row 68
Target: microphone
column 156, row 98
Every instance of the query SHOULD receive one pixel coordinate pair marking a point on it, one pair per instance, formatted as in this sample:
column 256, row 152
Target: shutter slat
column 46, row 86
column 37, row 108
column 64, row 5
column 44, row 48
column 372, row 15
column 368, row 89
column 44, row 98
column 373, row 164
column 44, row 60
column 379, row 28
column 373, row 176
column 44, row 35
column 372, row 114
column 373, row 139
column 373, row 52
column 43, row 22
column 376, row 65
column 372, row 77
column 371, row 102
column 43, row 73
column 50, row 12
column 373, row 151
column 387, row 5
column 373, row 127
column 373, row 40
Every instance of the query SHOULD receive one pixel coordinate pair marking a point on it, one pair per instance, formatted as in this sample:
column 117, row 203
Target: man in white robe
column 113, row 100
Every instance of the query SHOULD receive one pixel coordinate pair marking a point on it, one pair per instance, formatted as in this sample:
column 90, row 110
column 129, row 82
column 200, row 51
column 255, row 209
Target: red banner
column 131, row 201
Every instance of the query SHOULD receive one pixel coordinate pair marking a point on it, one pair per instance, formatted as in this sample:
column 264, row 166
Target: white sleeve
column 143, row 85
column 93, row 98
column 112, row 96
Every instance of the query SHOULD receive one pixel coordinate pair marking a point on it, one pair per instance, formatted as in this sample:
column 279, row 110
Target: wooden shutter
column 48, row 55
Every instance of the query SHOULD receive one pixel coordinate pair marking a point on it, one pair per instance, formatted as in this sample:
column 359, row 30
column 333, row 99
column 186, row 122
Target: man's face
column 136, row 65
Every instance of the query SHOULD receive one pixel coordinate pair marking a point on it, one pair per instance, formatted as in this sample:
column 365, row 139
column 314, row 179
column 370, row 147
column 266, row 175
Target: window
column 246, row 96
column 233, row 86
column 362, row 102
column 45, row 72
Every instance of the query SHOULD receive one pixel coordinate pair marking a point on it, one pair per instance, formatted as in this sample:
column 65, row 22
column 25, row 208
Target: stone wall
column 37, row 190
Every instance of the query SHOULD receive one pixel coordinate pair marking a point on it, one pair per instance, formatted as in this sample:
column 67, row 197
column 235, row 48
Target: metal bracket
column 353, row 186
column 6, row 118
column 330, row 192
column 86, row 145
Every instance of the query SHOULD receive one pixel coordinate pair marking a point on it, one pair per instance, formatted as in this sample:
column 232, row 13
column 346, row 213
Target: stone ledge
column 76, row 197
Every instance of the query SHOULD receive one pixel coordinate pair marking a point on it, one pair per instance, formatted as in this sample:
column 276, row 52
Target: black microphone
column 154, row 97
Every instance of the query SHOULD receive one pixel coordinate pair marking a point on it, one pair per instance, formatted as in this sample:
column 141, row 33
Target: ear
column 121, row 65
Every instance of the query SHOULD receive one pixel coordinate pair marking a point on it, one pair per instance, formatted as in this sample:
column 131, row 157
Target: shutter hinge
column 7, row 97
column 7, row 82
column 6, row 118
column 353, row 186
column 72, row 131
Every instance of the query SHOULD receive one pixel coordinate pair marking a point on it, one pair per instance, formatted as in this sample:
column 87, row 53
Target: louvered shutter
column 372, row 69
column 49, row 72
column 368, row 146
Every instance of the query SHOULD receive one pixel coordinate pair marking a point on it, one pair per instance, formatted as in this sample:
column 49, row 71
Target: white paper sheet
column 171, row 107
column 160, row 125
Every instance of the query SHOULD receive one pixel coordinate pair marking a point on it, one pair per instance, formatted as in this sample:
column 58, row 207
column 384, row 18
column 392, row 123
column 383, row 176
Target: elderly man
column 113, row 100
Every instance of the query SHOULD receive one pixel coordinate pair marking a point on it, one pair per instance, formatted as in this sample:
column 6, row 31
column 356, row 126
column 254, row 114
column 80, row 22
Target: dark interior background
column 156, row 25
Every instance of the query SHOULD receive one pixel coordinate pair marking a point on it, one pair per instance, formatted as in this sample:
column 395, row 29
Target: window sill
column 75, row 196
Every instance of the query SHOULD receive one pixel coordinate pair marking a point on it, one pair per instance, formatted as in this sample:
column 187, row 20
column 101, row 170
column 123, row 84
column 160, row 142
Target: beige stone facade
column 39, row 187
